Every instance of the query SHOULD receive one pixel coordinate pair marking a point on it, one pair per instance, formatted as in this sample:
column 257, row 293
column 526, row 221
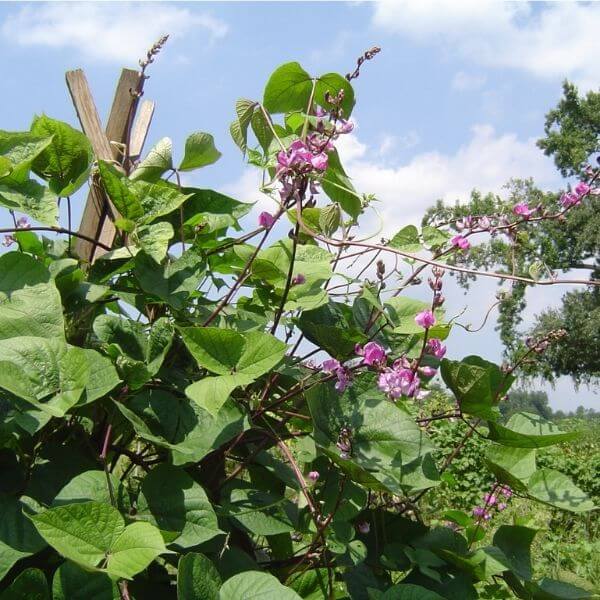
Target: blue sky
column 455, row 100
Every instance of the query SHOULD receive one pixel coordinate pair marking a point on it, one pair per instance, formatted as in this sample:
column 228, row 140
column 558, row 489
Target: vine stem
column 63, row 230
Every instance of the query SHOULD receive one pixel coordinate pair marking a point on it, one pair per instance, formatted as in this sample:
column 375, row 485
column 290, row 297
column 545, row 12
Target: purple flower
column 23, row 223
column 427, row 371
column 314, row 476
column 484, row 223
column 319, row 162
column 425, row 319
column 333, row 367
column 481, row 513
column 435, row 347
column 344, row 126
column 582, row 188
column 569, row 199
column 490, row 499
column 459, row 241
column 363, row 527
column 398, row 382
column 8, row 241
column 522, row 209
column 502, row 506
column 266, row 219
column 298, row 279
column 373, row 354
column 506, row 491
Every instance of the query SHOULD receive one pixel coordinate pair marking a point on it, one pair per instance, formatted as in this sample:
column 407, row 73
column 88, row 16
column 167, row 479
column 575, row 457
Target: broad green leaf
column 91, row 533
column 154, row 239
column 262, row 127
column 338, row 187
column 225, row 352
column 388, row 450
column 259, row 511
column 289, row 88
column 30, row 304
column 18, row 537
column 119, row 191
column 556, row 489
column 513, row 466
column 158, row 161
column 402, row 312
column 515, row 543
column 103, row 376
column 434, row 237
column 158, row 198
column 527, row 430
column 407, row 240
column 172, row 283
column 255, row 585
column 182, row 426
column 174, row 502
column 331, row 327
column 408, row 591
column 86, row 487
column 65, row 163
column 31, row 198
column 477, row 384
column 550, row 589
column 20, row 148
column 31, row 584
column 46, row 373
column 239, row 128
column 197, row 578
column 134, row 549
column 330, row 218
column 71, row 582
column 200, row 151
column 211, row 393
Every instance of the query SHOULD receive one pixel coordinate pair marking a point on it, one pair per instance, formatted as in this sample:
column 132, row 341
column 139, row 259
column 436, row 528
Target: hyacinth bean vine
column 211, row 413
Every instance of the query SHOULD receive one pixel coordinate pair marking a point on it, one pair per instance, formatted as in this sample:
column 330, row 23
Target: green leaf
column 19, row 149
column 31, row 198
column 158, row 161
column 174, row 502
column 18, row 537
column 388, row 450
column 154, row 239
column 555, row 488
column 119, row 191
column 550, row 589
column 338, row 187
column 211, row 393
column 182, row 426
column 31, row 584
column 197, row 578
column 513, row 466
column 254, row 585
column 402, row 312
column 515, row 542
column 30, row 304
column 224, row 351
column 239, row 128
column 407, row 240
column 330, row 218
column 46, row 373
column 89, row 533
column 527, row 430
column 289, row 88
column 477, row 384
column 434, row 237
column 408, row 591
column 200, row 151
column 65, row 163
column 86, row 487
column 71, row 582
column 263, row 129
column 172, row 283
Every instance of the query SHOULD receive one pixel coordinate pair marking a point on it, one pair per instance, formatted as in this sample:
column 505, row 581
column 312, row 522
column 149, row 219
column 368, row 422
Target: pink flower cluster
column 522, row 210
column 493, row 500
column 373, row 354
column 460, row 241
column 332, row 366
column 400, row 380
column 304, row 157
column 9, row 240
column 576, row 196
column 425, row 319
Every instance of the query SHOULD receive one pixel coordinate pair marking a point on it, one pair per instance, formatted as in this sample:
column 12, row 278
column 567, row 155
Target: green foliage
column 165, row 434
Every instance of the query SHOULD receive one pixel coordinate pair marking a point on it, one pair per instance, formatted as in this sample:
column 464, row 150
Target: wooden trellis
column 99, row 214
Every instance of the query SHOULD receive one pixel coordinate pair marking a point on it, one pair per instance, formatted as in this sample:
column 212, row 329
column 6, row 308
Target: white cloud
column 486, row 162
column 106, row 31
column 552, row 40
column 467, row 82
